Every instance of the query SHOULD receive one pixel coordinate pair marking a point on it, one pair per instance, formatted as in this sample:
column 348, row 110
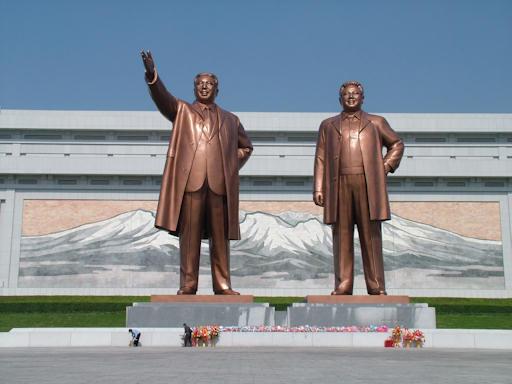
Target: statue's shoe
column 186, row 291
column 228, row 291
column 340, row 292
column 377, row 293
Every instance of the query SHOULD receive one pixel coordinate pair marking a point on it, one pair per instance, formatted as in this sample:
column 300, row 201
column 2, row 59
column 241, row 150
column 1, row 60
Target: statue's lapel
column 221, row 117
column 364, row 120
column 336, row 122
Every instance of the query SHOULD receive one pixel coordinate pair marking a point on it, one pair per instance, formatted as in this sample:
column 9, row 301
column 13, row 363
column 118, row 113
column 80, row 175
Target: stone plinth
column 169, row 315
column 349, row 299
column 361, row 315
column 240, row 299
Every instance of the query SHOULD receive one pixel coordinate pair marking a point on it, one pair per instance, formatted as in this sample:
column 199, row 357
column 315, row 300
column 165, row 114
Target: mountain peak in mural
column 291, row 245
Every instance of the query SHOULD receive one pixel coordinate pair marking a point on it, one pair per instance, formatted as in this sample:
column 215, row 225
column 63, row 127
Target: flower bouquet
column 405, row 338
column 214, row 332
column 204, row 335
column 195, row 336
column 395, row 339
column 418, row 338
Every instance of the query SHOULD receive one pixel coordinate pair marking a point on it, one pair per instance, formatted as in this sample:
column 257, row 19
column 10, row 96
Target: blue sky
column 270, row 55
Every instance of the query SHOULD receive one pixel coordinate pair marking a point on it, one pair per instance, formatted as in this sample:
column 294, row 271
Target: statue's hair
column 215, row 79
column 354, row 83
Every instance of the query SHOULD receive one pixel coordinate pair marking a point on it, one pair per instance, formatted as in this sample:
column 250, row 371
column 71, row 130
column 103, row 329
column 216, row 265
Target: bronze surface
column 350, row 184
column 202, row 299
column 200, row 184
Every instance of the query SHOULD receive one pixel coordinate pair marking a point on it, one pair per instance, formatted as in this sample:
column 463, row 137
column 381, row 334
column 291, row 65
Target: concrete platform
column 174, row 314
column 361, row 315
column 167, row 315
column 171, row 337
column 260, row 365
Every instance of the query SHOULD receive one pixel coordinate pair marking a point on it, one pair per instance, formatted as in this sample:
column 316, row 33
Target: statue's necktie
column 208, row 122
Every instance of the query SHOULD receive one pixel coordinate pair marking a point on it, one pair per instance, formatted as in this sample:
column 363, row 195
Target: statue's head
column 351, row 96
column 206, row 87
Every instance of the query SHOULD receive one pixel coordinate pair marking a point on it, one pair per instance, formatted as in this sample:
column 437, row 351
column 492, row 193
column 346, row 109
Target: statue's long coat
column 374, row 134
column 236, row 148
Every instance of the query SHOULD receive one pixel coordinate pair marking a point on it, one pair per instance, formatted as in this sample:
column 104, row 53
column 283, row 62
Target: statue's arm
column 166, row 103
column 244, row 146
column 319, row 171
column 393, row 144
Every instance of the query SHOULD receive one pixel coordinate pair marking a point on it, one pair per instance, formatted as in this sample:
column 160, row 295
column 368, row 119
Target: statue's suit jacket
column 374, row 133
column 188, row 125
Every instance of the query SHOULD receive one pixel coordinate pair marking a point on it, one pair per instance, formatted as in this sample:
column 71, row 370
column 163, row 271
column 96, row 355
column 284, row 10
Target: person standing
column 350, row 183
column 187, row 340
column 200, row 184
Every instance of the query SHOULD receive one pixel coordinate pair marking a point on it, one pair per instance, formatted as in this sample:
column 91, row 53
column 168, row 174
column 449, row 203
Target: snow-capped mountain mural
column 291, row 249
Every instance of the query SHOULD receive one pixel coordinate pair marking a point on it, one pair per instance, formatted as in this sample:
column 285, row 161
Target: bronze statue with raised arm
column 200, row 183
column 350, row 183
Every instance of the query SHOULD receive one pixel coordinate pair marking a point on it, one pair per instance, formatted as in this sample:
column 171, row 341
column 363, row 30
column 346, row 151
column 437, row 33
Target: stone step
column 361, row 315
column 175, row 314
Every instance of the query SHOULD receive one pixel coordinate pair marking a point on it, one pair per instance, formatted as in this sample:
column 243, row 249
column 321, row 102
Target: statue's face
column 205, row 89
column 351, row 98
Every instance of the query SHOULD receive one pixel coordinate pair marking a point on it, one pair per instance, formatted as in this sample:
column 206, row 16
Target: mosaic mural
column 104, row 244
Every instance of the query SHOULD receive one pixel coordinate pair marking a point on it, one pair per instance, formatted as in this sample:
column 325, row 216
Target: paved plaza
column 151, row 365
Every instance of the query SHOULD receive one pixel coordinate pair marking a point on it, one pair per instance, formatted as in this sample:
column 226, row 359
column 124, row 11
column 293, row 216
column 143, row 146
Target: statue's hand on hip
column 318, row 198
column 149, row 63
column 387, row 169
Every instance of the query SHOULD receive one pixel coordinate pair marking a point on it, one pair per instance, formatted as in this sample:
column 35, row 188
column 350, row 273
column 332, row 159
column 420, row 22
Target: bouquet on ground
column 205, row 335
column 405, row 338
column 395, row 339
column 418, row 338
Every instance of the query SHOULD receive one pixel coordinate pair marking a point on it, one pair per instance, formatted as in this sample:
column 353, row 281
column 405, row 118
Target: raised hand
column 149, row 64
